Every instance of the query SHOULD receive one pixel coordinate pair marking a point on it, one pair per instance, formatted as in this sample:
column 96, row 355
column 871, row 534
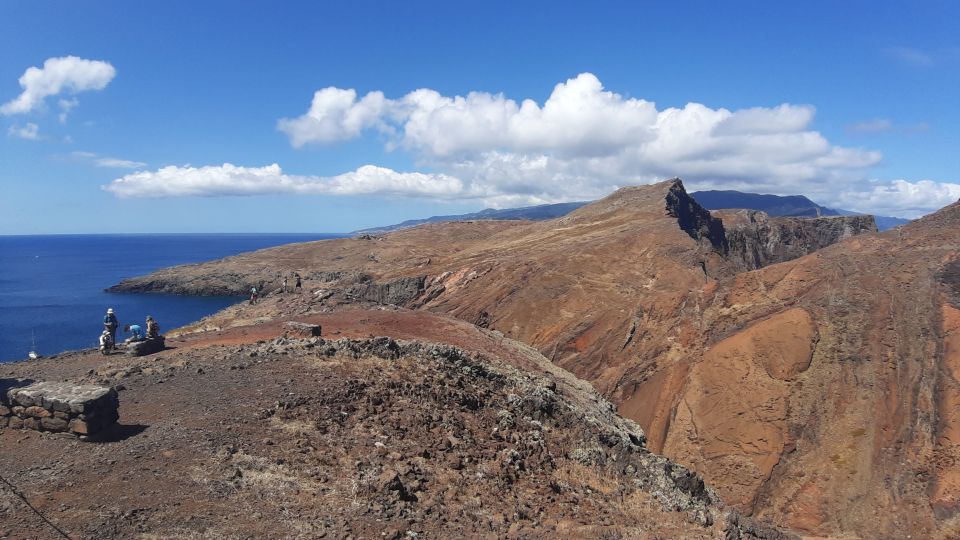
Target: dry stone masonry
column 295, row 329
column 59, row 406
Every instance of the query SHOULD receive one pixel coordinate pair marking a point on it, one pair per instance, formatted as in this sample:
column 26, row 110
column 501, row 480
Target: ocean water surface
column 51, row 286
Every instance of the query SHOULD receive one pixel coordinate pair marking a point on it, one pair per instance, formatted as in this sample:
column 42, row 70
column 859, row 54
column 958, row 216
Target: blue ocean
column 51, row 286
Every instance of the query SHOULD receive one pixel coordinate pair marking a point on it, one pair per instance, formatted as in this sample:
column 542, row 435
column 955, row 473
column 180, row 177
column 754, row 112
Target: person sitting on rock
column 106, row 342
column 136, row 334
column 153, row 329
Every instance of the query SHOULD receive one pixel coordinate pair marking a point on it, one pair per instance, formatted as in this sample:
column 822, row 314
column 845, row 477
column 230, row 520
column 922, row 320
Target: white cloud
column 584, row 139
column 581, row 143
column 901, row 197
column 911, row 56
column 884, row 125
column 107, row 162
column 875, row 125
column 65, row 74
column 119, row 163
column 228, row 179
column 66, row 105
column 334, row 115
column 30, row 131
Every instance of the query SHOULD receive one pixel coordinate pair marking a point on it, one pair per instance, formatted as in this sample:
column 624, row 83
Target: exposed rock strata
column 694, row 219
column 755, row 239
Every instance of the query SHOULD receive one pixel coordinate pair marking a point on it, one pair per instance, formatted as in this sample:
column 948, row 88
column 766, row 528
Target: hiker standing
column 253, row 295
column 110, row 324
column 298, row 286
column 284, row 284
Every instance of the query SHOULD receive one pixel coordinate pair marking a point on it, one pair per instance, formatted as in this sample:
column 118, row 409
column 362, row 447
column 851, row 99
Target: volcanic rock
column 817, row 391
column 145, row 346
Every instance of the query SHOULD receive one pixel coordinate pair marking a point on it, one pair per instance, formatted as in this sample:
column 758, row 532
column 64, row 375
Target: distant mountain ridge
column 781, row 205
column 532, row 213
column 773, row 205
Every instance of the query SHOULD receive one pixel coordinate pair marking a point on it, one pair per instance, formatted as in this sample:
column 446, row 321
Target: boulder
column 145, row 347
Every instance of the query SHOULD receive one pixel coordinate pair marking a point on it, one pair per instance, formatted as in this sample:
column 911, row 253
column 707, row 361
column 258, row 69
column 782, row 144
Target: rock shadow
column 118, row 432
column 7, row 384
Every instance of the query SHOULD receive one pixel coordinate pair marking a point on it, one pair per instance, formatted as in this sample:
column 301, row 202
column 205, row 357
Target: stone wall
column 56, row 406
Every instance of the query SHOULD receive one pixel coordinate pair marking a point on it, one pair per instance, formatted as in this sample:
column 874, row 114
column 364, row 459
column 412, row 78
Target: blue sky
column 202, row 116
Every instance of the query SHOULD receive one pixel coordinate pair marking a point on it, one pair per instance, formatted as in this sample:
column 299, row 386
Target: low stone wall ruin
column 294, row 329
column 62, row 407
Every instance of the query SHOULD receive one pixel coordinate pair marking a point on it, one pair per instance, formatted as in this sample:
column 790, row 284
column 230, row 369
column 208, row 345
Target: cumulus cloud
column 582, row 142
column 30, row 131
column 902, row 197
column 585, row 139
column 334, row 115
column 58, row 75
column 228, row 179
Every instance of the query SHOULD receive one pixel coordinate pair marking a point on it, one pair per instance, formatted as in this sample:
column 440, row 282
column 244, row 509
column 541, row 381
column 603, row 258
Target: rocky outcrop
column 397, row 292
column 755, row 239
column 694, row 219
column 145, row 346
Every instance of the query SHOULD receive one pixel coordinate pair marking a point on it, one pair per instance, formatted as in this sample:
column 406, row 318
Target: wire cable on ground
column 35, row 511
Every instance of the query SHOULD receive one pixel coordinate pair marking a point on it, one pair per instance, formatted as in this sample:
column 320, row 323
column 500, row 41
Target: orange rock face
column 945, row 495
column 731, row 421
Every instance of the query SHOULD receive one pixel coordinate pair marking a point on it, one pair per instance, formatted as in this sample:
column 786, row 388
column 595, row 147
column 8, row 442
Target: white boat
column 33, row 353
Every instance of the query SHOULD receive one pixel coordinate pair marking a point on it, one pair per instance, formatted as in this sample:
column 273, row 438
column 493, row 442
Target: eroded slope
column 796, row 389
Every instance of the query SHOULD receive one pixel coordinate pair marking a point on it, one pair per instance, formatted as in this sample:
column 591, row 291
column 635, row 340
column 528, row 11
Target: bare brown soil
column 246, row 434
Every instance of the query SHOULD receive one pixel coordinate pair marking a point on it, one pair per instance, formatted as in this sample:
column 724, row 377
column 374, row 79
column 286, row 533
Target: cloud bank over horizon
column 231, row 180
column 581, row 143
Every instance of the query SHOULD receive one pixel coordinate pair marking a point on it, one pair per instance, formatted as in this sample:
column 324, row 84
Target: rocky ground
column 244, row 433
column 807, row 368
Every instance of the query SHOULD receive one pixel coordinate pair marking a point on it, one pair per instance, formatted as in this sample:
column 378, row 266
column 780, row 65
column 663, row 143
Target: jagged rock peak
column 641, row 192
column 694, row 219
column 656, row 202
